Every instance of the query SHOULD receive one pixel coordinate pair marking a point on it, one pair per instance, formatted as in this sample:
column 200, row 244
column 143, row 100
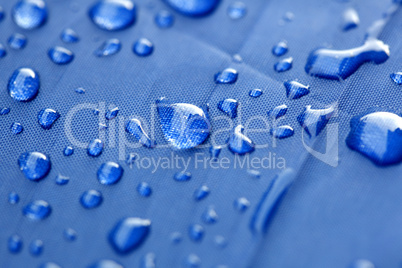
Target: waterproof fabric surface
column 330, row 217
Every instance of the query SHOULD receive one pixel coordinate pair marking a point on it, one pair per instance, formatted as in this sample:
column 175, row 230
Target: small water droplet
column 289, row 16
column 95, row 148
column 143, row 47
column 237, row 58
column 193, row 261
column 350, row 19
column 23, row 85
column 164, row 19
column 193, row 8
column 149, row 261
column 176, row 237
column 128, row 234
column 91, row 199
column 144, row 189
column 215, row 152
column 134, row 127
column 69, row 36
column 80, row 90
column 37, row 210
column 296, row 90
column 70, row 234
column 277, row 112
column 237, row 10
column 15, row 244
column 362, row 264
column 50, row 265
column 34, row 165
column 62, row 180
column 112, row 113
column 284, row 65
column 68, row 151
column 397, row 78
column 241, row 204
column 96, row 111
column 47, row 117
column 182, row 176
column 108, row 48
column 30, row 14
column 201, row 193
column 239, row 143
column 2, row 13
column 196, row 232
column 3, row 51
column 314, row 121
column 282, row 132
column 17, row 41
column 227, row 76
column 16, row 128
column 229, row 107
column 60, row 55
column 102, row 126
column 113, row 15
column 13, row 198
column 106, row 264
column 280, row 49
column 220, row 241
column 210, row 216
column 254, row 173
column 109, row 173
column 36, row 247
column 4, row 111
column 255, row 93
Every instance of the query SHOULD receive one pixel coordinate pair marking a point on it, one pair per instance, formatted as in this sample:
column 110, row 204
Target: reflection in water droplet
column 68, row 151
column 284, row 65
column 15, row 244
column 128, row 234
column 314, row 121
column 282, row 132
column 255, row 93
column 36, row 247
column 397, row 77
column 215, row 152
column 201, row 193
column 3, row 51
column 239, row 143
column 164, row 19
column 4, row 111
column 113, row 15
column 296, row 90
column 182, row 176
column 62, row 180
column 144, row 189
column 280, row 49
column 229, row 107
column 176, row 237
column 149, row 261
column 378, row 136
column 91, row 199
column 16, row 128
column 340, row 64
column 237, row 10
column 210, row 216
column 108, row 48
column 34, row 165
column 241, row 204
column 193, row 261
column 134, row 127
column 143, row 47
column 60, row 55
column 277, row 112
column 70, row 234
column 17, row 41
column 193, row 8
column 196, row 232
column 95, row 148
column 220, row 241
column 350, row 19
column 69, row 36
column 227, row 76
column 109, row 115
column 30, row 14
column 184, row 125
column 50, row 265
column 37, row 210
column 47, row 117
column 13, row 198
column 109, row 173
column 106, row 264
column 23, row 85
column 80, row 90
column 362, row 264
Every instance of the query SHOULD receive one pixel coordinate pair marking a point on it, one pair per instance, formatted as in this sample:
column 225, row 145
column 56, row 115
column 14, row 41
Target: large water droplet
column 193, row 8
column 128, row 234
column 36, row 247
column 47, row 117
column 144, row 189
column 60, row 55
column 182, row 176
column 95, row 148
column 143, row 47
column 201, row 193
column 239, row 143
column 241, row 204
column 397, row 77
column 164, row 19
column 196, row 232
column 17, row 41
column 378, row 136
column 296, row 90
column 109, row 173
column 13, row 198
column 314, row 121
column 68, row 151
column 106, row 264
column 30, row 14
column 210, row 216
column 62, row 180
column 108, row 48
column 3, row 51
column 23, row 85
column 282, row 132
column 34, row 165
column 184, row 125
column 91, row 199
column 277, row 112
column 69, row 36
column 229, row 107
column 340, row 64
column 134, row 127
column 283, row 65
column 255, row 93
column 4, row 111
column 149, row 261
column 113, row 15
column 37, row 210
column 15, row 244
column 280, row 49
column 237, row 10
column 70, row 234
column 16, row 128
column 227, row 76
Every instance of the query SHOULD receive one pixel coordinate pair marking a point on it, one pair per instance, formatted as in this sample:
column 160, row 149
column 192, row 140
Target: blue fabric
column 330, row 217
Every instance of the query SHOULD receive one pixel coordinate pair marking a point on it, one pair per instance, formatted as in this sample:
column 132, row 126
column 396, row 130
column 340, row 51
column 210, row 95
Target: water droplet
column 144, row 189
column 13, row 198
column 184, row 125
column 15, row 244
column 397, row 77
column 50, row 265
column 220, row 241
column 196, row 232
column 134, row 127
column 109, row 173
column 47, row 117
column 362, row 264
column 16, row 128
column 91, row 199
column 210, row 216
column 289, row 16
column 229, row 107
column 23, row 85
column 128, row 234
column 201, row 193
column 4, row 111
column 60, row 55
column 68, row 151
column 237, row 10
column 254, row 173
column 34, row 165
column 270, row 200
column 215, row 152
column 112, row 113
column 30, row 14
column 237, row 58
column 36, row 247
column 113, row 15
column 17, row 41
column 106, row 264
column 164, row 19
column 255, row 93
column 143, row 47
column 350, row 19
column 239, row 143
column 241, row 204
column 282, row 132
column 3, row 51
column 102, row 126
column 80, row 90
column 378, row 136
column 280, row 49
column 314, row 121
column 108, row 48
column 2, row 13
column 193, row 8
column 182, row 176
column 296, row 90
column 277, row 111
column 176, row 237
column 148, row 261
column 62, row 180
column 193, row 261
column 340, row 64
column 284, row 65
column 37, row 210
column 227, row 76
column 69, row 36
column 95, row 148
column 70, row 234
column 96, row 112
